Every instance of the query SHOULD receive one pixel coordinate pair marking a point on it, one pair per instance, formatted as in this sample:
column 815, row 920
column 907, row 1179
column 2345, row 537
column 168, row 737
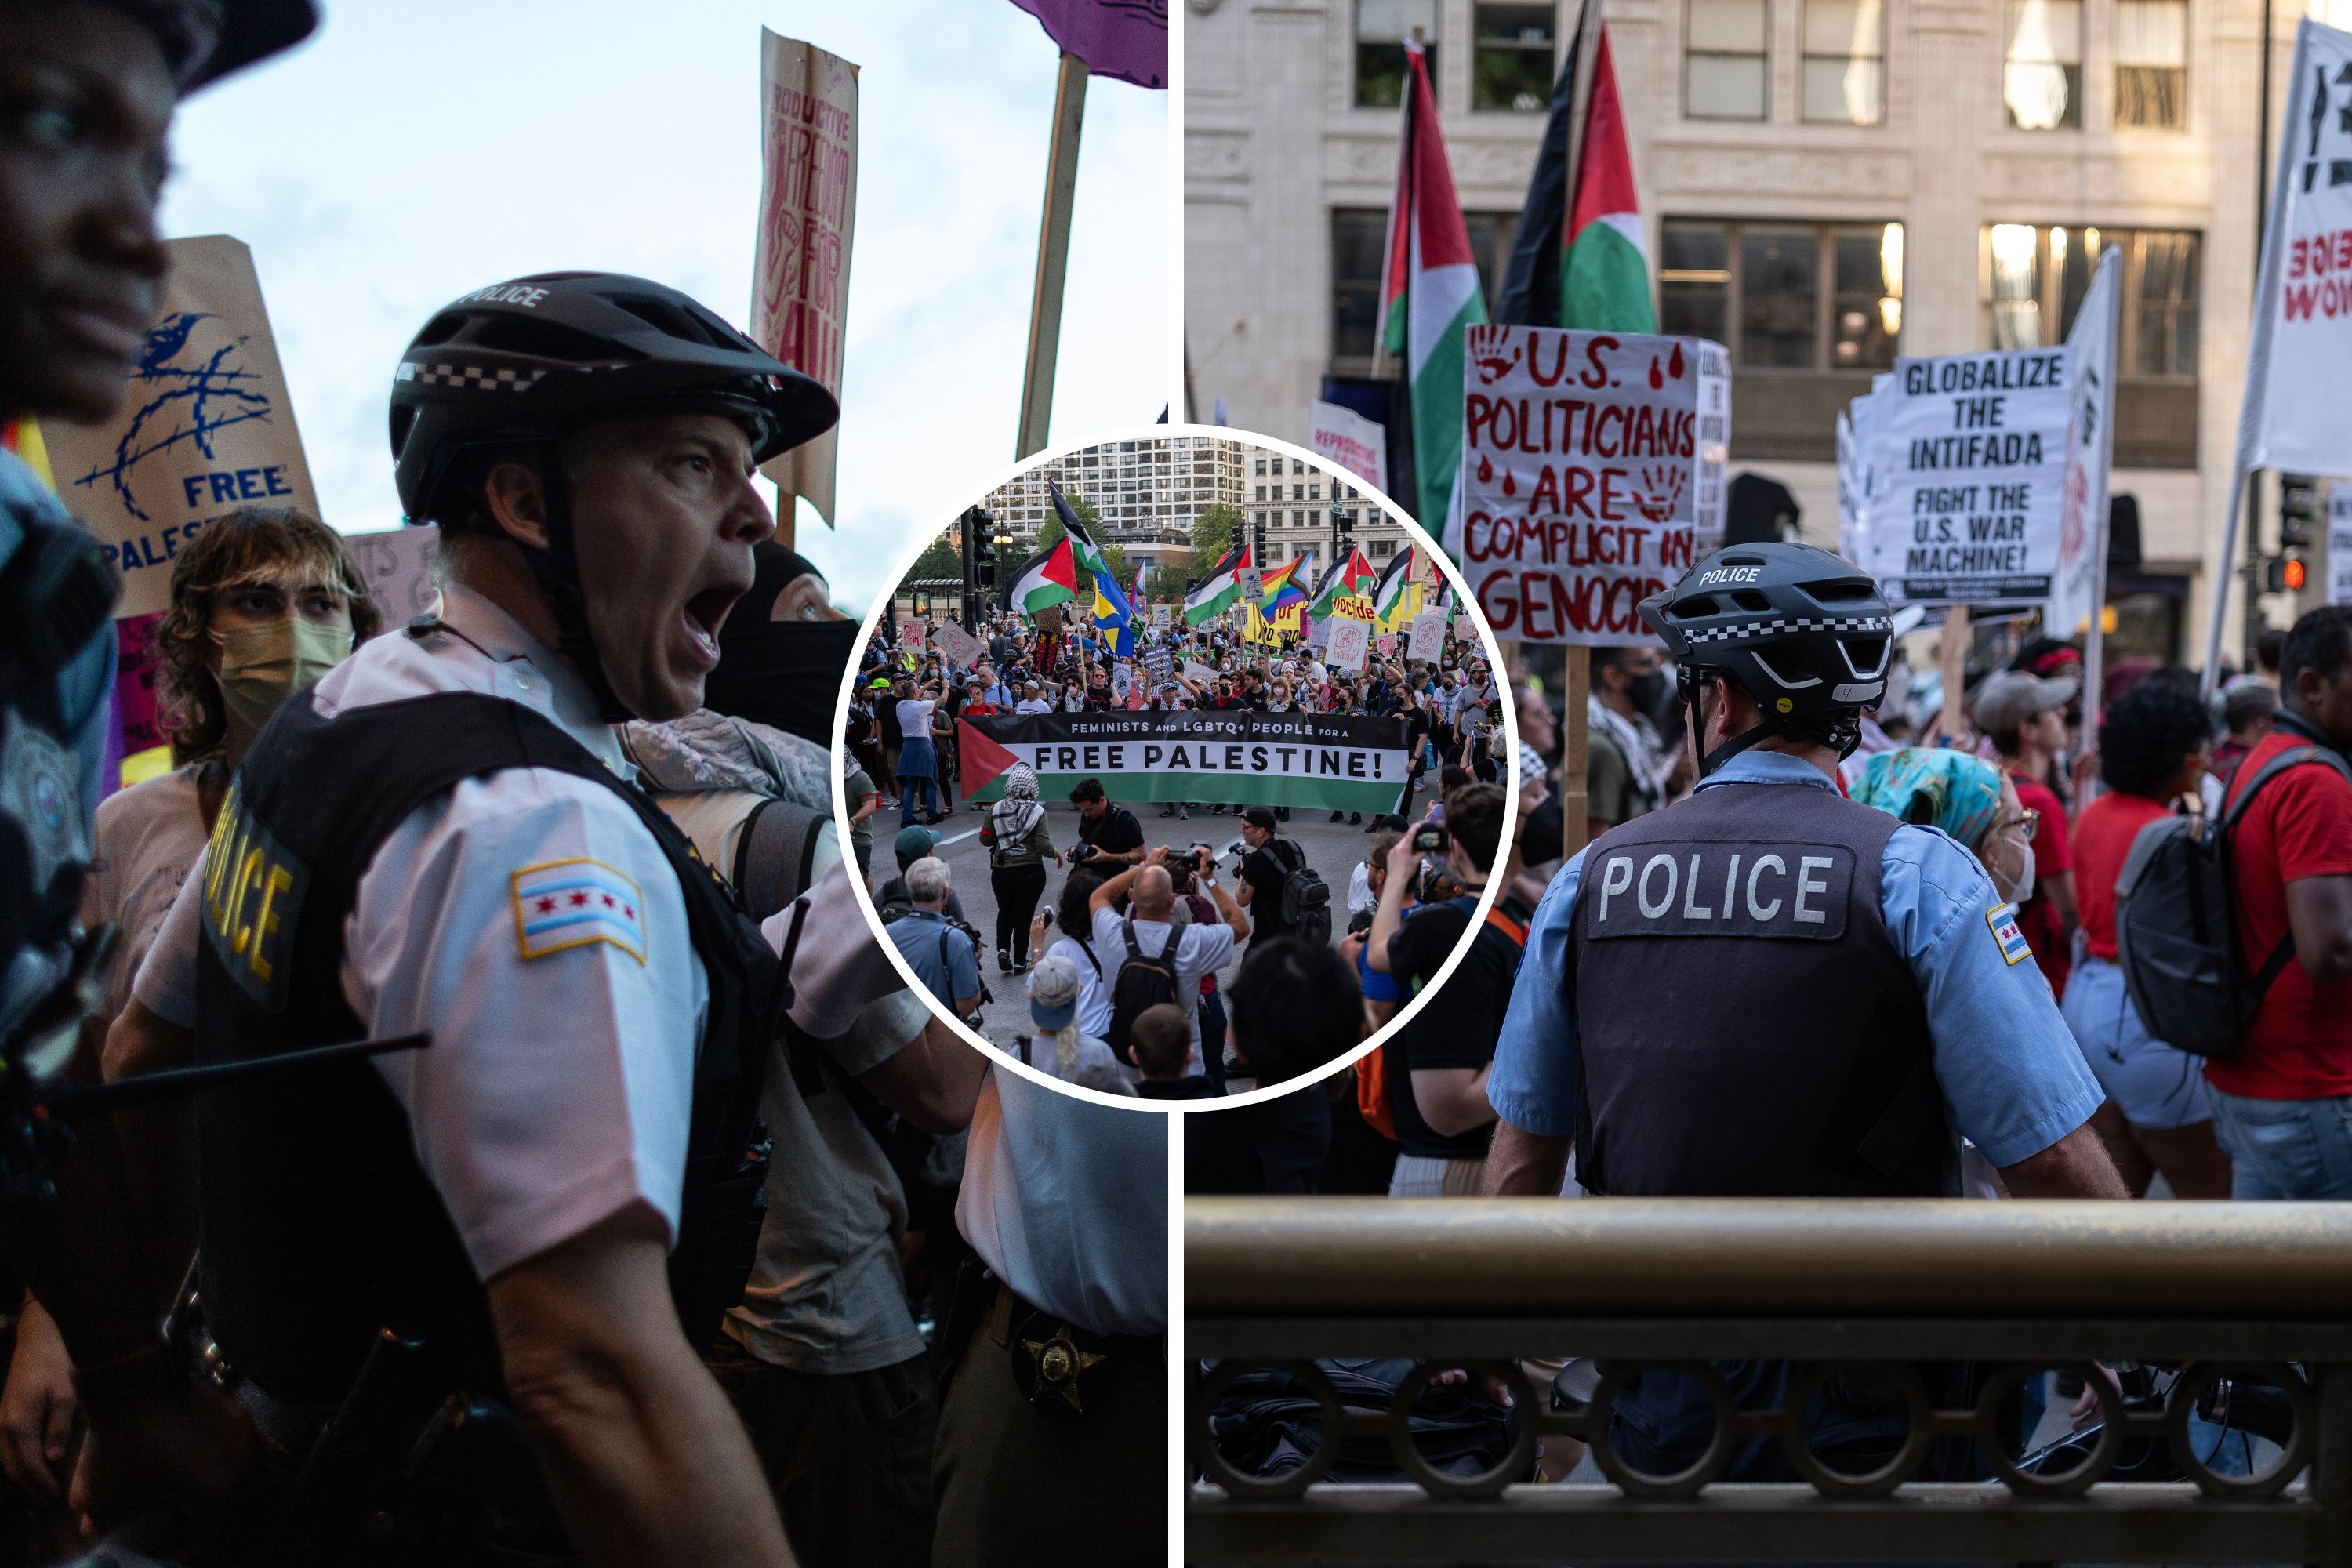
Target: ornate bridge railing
column 2257, row 1296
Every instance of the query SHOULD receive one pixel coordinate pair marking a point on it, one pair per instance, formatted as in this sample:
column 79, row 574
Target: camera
column 1204, row 858
column 1082, row 852
column 1431, row 838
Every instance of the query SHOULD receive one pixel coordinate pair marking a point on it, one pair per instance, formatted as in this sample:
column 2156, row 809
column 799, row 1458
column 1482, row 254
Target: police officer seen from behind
column 443, row 836
column 1770, row 990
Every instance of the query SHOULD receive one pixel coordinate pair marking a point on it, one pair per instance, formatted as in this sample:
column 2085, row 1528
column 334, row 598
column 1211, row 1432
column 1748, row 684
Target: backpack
column 1371, row 1067
column 1306, row 899
column 2176, row 934
column 1143, row 980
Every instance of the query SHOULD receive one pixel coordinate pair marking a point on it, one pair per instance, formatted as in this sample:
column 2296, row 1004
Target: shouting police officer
column 441, row 839
column 1769, row 989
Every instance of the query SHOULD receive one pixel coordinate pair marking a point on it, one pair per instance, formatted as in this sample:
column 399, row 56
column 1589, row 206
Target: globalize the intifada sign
column 1337, row 761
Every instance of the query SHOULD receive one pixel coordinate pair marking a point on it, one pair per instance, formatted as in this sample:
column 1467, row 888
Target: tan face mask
column 263, row 664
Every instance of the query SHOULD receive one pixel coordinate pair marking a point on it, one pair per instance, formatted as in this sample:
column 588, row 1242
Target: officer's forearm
column 647, row 1461
column 2076, row 1166
column 1521, row 1165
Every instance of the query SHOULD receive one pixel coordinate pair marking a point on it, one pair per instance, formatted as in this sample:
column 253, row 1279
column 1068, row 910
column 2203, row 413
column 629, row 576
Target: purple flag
column 1127, row 39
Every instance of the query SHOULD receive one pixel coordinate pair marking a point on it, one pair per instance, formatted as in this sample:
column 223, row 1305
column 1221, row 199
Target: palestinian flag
column 1048, row 578
column 1604, row 273
column 1282, row 588
column 1430, row 292
column 1085, row 552
column 1218, row 591
column 1392, row 593
column 1351, row 579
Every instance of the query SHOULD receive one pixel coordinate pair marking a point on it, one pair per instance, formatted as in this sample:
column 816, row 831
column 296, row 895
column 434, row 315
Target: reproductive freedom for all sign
column 1332, row 761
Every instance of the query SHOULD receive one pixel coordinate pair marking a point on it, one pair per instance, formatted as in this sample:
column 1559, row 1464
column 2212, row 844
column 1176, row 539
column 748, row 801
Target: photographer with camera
column 1436, row 1066
column 943, row 957
column 1279, row 890
column 1109, row 838
column 1145, row 958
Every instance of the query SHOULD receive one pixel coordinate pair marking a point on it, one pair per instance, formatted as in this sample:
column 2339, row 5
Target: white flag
column 2080, row 585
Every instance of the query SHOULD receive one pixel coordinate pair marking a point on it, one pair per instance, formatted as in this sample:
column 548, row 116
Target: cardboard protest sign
column 1332, row 761
column 1350, row 641
column 205, row 427
column 1585, row 477
column 1969, row 477
column 963, row 648
column 2339, row 545
column 1428, row 635
column 1349, row 441
column 808, row 207
column 397, row 567
column 1048, row 621
column 911, row 633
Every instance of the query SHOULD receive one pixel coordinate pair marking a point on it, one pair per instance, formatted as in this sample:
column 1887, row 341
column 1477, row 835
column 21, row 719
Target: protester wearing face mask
column 263, row 602
column 1628, row 767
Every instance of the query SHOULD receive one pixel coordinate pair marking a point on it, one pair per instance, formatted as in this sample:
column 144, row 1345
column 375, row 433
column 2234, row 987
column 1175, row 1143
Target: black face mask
column 1649, row 691
column 784, row 673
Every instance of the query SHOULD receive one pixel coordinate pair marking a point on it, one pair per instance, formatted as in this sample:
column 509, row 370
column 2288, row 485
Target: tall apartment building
column 1827, row 183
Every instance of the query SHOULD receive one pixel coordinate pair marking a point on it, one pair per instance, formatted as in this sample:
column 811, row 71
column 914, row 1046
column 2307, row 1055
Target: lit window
column 1723, row 64
column 1845, row 61
column 2034, row 280
column 2152, row 63
column 1757, row 290
column 2042, row 80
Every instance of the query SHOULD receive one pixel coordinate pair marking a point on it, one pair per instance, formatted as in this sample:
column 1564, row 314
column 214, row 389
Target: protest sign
column 963, row 648
column 1350, row 640
column 397, row 567
column 2078, row 586
column 1349, row 441
column 1428, row 635
column 1332, row 761
column 808, row 207
column 1464, row 628
column 1585, row 476
column 205, row 427
column 1968, row 475
column 1386, row 643
column 1196, row 671
column 2339, row 541
column 1158, row 661
column 1048, row 621
column 1122, row 679
column 911, row 633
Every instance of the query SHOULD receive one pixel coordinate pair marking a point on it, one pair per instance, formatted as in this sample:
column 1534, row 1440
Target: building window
column 1723, row 61
column 1382, row 27
column 1785, row 296
column 1845, row 61
column 2152, row 63
column 2042, row 77
column 1261, row 465
column 2033, row 280
column 1510, row 56
column 1358, row 239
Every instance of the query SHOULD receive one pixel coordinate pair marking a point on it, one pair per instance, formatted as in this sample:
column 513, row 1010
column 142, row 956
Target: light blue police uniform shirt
column 2013, row 1079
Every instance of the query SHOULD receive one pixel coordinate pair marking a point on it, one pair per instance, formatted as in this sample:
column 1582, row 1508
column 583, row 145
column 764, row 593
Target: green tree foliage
column 1212, row 534
column 943, row 559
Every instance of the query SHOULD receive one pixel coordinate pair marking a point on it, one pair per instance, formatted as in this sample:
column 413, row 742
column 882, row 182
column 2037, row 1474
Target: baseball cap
column 1052, row 993
column 2011, row 698
column 1258, row 816
column 914, row 843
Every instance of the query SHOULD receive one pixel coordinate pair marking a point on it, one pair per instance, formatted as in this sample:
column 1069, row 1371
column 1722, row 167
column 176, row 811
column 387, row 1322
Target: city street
column 1334, row 850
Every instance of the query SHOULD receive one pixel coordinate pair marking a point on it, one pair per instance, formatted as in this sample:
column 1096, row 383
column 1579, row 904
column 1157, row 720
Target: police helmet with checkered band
column 1801, row 631
column 530, row 360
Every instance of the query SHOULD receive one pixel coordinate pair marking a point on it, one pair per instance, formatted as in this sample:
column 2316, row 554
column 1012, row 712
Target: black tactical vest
column 1745, row 1024
column 319, row 1228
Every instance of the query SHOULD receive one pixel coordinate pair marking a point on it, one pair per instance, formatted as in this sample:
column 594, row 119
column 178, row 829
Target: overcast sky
column 414, row 151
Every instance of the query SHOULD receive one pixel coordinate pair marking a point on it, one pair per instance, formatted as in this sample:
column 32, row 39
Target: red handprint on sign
column 1663, row 491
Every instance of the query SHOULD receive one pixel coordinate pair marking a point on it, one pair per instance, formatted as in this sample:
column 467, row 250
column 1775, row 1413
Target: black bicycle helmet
column 1801, row 631
column 525, row 363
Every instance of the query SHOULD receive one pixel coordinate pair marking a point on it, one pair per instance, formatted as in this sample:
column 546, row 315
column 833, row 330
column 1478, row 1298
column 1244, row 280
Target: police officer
column 1770, row 990
column 442, row 838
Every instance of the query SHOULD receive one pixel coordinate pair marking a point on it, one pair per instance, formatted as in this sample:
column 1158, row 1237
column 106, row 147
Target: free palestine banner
column 1336, row 761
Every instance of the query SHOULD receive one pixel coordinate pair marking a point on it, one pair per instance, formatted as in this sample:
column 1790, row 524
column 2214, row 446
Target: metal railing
column 2261, row 1292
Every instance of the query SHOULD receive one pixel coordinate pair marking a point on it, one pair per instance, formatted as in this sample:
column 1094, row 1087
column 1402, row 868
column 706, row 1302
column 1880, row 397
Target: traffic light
column 2287, row 574
column 2298, row 511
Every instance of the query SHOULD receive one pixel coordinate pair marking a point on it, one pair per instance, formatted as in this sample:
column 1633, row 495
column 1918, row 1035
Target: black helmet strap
column 557, row 571
column 1693, row 679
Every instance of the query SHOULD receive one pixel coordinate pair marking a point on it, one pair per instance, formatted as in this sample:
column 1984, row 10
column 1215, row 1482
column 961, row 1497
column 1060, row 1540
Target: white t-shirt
column 1199, row 949
column 1032, row 705
column 149, row 841
column 1066, row 1202
column 1093, row 996
column 915, row 719
column 595, row 1033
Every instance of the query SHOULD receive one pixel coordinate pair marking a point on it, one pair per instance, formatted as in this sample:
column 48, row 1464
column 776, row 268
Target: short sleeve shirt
column 2102, row 842
column 2299, row 1045
column 1115, row 832
column 1200, row 949
column 1458, row 1026
column 151, row 838
column 2053, row 856
column 1266, row 869
column 941, row 955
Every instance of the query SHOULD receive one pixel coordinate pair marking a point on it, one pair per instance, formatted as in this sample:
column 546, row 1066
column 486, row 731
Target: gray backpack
column 2176, row 934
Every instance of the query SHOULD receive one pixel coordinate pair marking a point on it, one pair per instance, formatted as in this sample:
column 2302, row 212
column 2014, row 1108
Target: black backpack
column 1143, row 980
column 2176, row 931
column 1306, row 899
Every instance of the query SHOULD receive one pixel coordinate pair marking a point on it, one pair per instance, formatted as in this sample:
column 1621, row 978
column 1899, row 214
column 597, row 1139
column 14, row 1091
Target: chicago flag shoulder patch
column 2003, row 919
column 572, row 903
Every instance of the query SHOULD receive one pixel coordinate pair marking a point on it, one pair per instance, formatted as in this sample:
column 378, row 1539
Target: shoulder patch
column 571, row 904
column 2003, row 919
